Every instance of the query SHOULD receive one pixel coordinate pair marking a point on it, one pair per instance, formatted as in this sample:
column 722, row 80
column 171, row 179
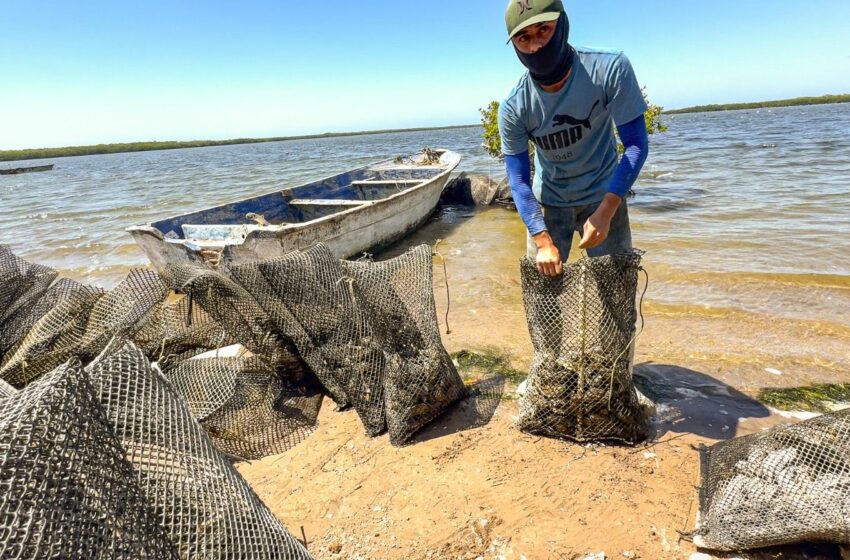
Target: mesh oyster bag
column 51, row 341
column 121, row 311
column 420, row 380
column 231, row 307
column 66, row 489
column 314, row 303
column 82, row 322
column 21, row 283
column 177, row 330
column 17, row 324
column 204, row 505
column 790, row 484
column 582, row 326
column 368, row 330
column 266, row 413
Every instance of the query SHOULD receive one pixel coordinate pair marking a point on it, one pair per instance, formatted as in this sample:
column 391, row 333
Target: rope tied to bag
column 446, row 276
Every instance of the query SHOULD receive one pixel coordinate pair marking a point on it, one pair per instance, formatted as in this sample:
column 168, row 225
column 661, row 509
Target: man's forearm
column 608, row 207
column 519, row 178
column 635, row 141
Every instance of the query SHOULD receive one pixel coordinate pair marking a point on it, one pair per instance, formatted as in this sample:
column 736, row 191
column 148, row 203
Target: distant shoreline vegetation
column 822, row 100
column 98, row 149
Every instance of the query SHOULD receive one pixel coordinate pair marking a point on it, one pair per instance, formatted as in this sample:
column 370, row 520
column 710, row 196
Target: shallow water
column 739, row 212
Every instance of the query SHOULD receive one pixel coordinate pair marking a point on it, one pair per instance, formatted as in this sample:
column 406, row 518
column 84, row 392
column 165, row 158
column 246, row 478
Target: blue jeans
column 564, row 222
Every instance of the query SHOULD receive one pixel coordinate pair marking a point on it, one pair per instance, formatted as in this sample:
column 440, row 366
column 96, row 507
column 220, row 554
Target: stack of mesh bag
column 255, row 407
column 582, row 326
column 368, row 330
column 790, row 484
column 108, row 462
column 44, row 325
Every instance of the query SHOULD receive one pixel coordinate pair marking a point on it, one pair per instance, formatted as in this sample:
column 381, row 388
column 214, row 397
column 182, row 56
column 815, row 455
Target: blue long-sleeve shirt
column 635, row 141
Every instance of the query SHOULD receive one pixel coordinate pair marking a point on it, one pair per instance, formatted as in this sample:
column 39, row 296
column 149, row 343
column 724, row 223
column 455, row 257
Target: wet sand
column 472, row 486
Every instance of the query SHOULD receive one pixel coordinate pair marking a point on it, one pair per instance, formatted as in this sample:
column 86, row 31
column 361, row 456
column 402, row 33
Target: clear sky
column 111, row 71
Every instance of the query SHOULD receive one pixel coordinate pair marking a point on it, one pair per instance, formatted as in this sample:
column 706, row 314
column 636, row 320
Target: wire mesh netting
column 51, row 341
column 6, row 390
column 177, row 331
column 205, row 383
column 21, row 283
column 420, row 380
column 264, row 402
column 17, row 324
column 68, row 320
column 66, row 489
column 582, row 326
column 266, row 413
column 788, row 485
column 121, row 310
column 81, row 324
column 313, row 303
column 204, row 505
column 368, row 330
column 229, row 305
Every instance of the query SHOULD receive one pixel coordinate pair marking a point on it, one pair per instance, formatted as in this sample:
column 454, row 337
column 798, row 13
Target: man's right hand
column 548, row 256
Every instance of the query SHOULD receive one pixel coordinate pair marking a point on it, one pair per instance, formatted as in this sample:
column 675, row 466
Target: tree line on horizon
column 492, row 143
column 124, row 147
column 819, row 100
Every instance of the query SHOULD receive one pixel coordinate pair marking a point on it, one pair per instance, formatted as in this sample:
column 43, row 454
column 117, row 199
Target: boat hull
column 19, row 170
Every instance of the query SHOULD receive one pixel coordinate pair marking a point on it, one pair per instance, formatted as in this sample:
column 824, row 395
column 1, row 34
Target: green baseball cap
column 522, row 13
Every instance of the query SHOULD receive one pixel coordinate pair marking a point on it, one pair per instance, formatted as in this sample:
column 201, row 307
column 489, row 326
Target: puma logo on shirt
column 561, row 120
column 567, row 136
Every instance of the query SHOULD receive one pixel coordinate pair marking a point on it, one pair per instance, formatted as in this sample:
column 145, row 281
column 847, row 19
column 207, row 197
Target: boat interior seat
column 376, row 189
column 315, row 208
column 300, row 202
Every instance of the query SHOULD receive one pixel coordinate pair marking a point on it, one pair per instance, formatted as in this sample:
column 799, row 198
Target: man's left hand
column 599, row 223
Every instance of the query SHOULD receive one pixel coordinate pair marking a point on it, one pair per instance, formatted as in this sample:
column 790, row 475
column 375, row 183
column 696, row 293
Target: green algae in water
column 815, row 398
column 488, row 361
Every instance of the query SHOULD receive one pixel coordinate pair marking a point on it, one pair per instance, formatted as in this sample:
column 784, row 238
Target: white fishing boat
column 352, row 212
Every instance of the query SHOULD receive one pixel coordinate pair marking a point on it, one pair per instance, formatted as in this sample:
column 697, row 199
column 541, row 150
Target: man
column 567, row 104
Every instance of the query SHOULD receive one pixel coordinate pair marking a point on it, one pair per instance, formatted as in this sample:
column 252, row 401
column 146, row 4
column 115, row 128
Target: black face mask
column 551, row 63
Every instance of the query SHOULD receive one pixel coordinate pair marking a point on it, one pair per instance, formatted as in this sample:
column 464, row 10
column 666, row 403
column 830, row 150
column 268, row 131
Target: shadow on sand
column 474, row 411
column 688, row 401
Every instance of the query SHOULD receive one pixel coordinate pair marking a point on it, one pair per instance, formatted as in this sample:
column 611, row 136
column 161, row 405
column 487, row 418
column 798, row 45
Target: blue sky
column 97, row 71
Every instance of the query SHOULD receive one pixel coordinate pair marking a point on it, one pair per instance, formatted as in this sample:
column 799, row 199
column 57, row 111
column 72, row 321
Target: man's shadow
column 688, row 401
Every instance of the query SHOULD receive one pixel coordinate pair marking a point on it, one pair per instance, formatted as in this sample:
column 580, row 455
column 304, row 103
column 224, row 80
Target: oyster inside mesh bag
column 420, row 380
column 266, row 414
column 582, row 326
column 784, row 486
column 315, row 304
column 66, row 488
